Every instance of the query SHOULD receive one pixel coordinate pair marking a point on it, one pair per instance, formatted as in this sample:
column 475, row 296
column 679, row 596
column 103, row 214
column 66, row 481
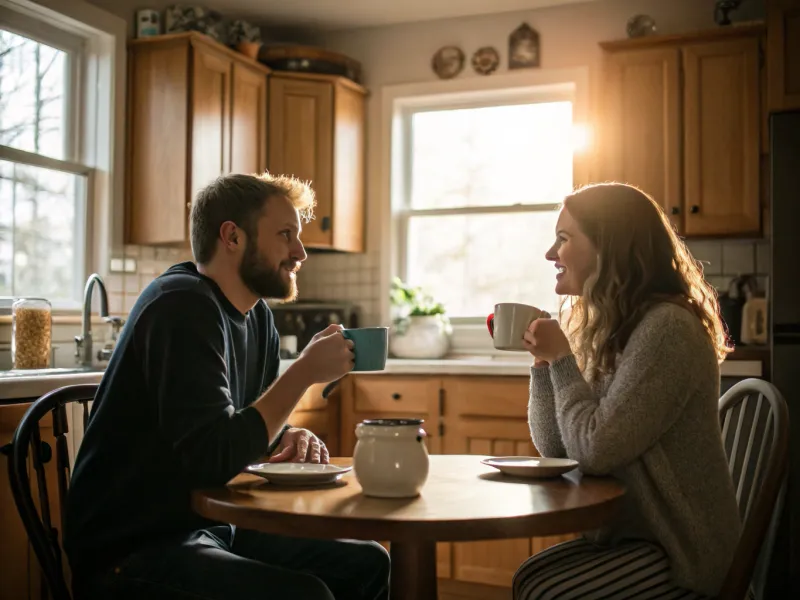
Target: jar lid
column 392, row 422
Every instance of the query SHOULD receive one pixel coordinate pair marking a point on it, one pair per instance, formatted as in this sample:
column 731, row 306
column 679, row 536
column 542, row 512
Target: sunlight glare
column 581, row 137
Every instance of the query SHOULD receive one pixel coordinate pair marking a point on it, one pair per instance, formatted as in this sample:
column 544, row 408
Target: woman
column 633, row 393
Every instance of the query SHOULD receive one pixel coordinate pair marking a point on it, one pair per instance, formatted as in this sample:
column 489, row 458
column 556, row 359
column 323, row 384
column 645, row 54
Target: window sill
column 469, row 339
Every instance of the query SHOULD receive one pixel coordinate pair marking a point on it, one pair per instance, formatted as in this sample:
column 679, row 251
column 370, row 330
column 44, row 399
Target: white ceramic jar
column 390, row 459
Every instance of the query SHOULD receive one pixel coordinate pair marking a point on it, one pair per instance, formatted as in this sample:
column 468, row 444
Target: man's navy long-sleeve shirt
column 172, row 414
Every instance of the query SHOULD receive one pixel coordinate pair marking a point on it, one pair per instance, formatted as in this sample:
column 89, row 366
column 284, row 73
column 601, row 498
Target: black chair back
column 27, row 443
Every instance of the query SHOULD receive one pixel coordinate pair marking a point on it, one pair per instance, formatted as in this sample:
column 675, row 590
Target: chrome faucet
column 83, row 342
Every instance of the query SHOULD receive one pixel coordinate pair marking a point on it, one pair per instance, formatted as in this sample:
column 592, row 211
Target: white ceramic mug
column 390, row 459
column 509, row 322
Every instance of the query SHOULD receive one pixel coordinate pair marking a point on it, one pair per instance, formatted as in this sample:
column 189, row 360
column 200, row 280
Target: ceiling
column 351, row 14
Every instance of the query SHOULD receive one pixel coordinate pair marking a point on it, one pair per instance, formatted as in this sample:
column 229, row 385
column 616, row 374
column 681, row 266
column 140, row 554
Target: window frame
column 404, row 211
column 95, row 43
column 399, row 105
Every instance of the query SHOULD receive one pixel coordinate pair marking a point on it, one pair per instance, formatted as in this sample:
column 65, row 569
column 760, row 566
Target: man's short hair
column 240, row 199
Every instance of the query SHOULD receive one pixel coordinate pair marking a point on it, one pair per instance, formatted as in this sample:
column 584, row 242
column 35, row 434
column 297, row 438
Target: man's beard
column 263, row 279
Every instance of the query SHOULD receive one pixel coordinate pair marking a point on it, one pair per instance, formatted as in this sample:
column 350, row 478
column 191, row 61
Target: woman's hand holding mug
column 545, row 340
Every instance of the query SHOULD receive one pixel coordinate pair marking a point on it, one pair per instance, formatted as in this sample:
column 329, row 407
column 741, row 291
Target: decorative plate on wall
column 448, row 62
column 485, row 60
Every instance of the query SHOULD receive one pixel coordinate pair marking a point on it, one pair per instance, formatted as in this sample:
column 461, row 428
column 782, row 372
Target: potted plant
column 420, row 327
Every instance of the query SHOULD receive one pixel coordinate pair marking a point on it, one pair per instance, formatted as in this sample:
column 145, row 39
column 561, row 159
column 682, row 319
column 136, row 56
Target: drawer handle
column 395, row 396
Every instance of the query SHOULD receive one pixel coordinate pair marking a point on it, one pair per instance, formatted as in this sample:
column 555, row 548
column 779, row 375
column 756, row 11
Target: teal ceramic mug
column 371, row 348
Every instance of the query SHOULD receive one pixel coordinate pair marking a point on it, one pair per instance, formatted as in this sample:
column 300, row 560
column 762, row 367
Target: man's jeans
column 227, row 563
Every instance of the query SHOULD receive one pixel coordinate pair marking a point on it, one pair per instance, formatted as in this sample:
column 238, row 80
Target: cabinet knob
column 675, row 210
column 395, row 396
column 695, row 209
column 326, row 223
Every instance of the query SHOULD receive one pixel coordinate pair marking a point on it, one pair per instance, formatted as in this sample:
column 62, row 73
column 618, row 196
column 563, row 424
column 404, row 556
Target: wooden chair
column 42, row 533
column 755, row 431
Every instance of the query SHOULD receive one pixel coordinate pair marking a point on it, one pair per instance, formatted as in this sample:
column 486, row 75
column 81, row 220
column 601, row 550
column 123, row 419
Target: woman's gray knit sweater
column 654, row 425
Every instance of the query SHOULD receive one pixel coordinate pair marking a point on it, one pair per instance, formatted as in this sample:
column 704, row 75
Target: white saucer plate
column 298, row 473
column 531, row 466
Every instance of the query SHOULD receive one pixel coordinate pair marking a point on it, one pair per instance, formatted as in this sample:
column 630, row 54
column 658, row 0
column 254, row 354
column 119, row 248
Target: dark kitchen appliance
column 784, row 334
column 305, row 319
column 731, row 303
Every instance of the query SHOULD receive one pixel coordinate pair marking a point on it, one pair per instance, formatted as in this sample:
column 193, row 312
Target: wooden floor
column 458, row 590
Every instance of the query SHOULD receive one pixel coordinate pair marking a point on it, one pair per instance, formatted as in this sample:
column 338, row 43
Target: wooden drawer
column 487, row 396
column 385, row 393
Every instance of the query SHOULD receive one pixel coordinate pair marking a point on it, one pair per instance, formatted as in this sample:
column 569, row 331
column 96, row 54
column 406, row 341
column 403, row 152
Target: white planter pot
column 423, row 337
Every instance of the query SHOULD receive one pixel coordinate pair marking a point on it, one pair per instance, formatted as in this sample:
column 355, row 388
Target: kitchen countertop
column 17, row 385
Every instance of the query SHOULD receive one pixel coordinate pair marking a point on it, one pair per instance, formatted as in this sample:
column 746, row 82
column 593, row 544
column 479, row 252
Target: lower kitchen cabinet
column 21, row 577
column 462, row 415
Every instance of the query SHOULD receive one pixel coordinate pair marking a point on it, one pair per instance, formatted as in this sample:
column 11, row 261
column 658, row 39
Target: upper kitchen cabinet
column 197, row 110
column 681, row 118
column 640, row 123
column 317, row 130
column 783, row 54
column 722, row 121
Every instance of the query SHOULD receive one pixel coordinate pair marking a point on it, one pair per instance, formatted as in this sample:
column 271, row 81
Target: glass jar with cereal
column 31, row 333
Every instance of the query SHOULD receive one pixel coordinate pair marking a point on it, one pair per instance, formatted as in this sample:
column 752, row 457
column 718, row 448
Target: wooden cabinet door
column 487, row 416
column 347, row 218
column 158, row 138
column 20, row 576
column 15, row 551
column 248, row 150
column 783, row 54
column 301, row 144
column 641, row 124
column 490, row 562
column 721, row 137
column 211, row 98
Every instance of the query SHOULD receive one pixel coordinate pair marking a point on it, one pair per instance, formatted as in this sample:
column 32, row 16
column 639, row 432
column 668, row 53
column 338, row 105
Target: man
column 190, row 397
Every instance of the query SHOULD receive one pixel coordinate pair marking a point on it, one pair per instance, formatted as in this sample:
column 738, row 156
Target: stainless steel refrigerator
column 784, row 156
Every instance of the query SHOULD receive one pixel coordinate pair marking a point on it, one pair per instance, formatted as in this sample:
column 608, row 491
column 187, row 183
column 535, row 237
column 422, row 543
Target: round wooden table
column 463, row 500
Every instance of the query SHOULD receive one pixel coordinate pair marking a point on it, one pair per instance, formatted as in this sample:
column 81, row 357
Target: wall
column 401, row 54
column 569, row 38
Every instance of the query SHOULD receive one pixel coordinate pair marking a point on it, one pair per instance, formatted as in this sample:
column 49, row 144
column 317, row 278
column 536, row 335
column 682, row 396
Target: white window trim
column 101, row 114
column 469, row 337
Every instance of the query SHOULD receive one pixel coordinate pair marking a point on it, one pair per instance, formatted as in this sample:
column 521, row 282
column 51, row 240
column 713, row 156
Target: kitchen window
column 477, row 183
column 43, row 187
column 62, row 98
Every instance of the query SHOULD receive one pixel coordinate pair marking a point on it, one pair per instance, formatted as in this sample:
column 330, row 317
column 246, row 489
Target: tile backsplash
column 355, row 278
column 724, row 260
column 124, row 288
column 346, row 277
